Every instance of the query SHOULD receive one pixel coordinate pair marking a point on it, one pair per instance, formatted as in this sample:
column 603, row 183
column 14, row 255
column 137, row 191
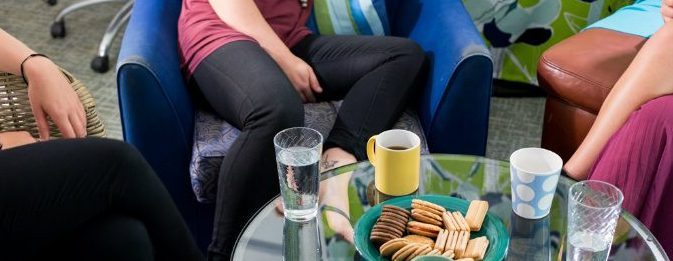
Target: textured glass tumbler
column 298, row 153
column 593, row 210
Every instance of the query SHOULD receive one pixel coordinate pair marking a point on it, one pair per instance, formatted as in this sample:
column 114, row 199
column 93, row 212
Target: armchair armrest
column 156, row 110
column 455, row 102
column 578, row 73
column 149, row 77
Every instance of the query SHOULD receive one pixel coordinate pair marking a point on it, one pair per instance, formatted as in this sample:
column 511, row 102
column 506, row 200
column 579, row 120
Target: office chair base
column 58, row 29
column 100, row 64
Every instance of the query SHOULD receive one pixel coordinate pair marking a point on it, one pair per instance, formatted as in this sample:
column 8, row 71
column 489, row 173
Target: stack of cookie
column 402, row 249
column 454, row 240
column 390, row 225
column 433, row 231
column 428, row 218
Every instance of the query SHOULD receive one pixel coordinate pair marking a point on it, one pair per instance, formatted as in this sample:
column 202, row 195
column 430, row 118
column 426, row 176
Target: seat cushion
column 213, row 137
column 582, row 69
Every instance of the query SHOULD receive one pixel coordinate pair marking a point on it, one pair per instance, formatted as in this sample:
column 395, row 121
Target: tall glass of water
column 593, row 210
column 298, row 156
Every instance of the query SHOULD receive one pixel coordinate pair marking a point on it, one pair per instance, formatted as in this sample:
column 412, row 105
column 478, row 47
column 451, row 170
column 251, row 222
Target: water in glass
column 588, row 246
column 299, row 180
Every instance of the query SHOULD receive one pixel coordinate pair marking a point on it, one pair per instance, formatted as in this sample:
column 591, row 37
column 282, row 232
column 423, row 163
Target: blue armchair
column 158, row 116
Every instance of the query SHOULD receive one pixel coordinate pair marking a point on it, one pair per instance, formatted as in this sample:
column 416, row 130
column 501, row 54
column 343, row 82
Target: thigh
column 239, row 79
column 340, row 61
column 49, row 189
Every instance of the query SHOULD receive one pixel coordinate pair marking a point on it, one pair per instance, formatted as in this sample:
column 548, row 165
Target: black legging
column 87, row 199
column 241, row 82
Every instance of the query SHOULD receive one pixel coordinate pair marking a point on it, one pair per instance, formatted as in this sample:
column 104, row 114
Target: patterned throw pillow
column 349, row 17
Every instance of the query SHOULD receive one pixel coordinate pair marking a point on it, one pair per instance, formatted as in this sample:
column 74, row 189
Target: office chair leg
column 100, row 63
column 58, row 26
column 51, row 2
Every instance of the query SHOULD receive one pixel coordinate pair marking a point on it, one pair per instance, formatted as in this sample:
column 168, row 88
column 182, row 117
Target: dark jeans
column 87, row 199
column 243, row 84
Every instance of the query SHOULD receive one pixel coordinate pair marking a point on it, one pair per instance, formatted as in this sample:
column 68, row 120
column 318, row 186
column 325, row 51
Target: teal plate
column 492, row 228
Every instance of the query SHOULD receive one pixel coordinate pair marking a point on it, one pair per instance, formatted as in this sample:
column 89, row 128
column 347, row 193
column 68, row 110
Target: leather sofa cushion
column 213, row 137
column 582, row 69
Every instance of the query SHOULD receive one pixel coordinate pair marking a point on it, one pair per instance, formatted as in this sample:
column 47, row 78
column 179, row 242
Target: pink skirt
column 639, row 160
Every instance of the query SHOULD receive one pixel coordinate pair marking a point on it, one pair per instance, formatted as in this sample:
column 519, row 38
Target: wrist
column 280, row 55
column 35, row 66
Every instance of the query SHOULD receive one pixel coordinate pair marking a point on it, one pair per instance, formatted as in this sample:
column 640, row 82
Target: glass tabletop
column 350, row 189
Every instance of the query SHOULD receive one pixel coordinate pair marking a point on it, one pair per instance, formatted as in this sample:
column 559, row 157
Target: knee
column 277, row 112
column 282, row 115
column 119, row 155
column 657, row 111
column 665, row 32
column 117, row 150
column 409, row 49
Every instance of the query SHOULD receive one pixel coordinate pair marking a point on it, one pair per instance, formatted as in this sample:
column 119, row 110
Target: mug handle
column 370, row 150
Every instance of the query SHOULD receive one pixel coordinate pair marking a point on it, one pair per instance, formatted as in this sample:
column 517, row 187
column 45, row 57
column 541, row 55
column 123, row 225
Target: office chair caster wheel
column 58, row 29
column 51, row 2
column 100, row 64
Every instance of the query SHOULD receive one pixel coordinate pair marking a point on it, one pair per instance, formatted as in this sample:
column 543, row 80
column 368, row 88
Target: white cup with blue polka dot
column 534, row 173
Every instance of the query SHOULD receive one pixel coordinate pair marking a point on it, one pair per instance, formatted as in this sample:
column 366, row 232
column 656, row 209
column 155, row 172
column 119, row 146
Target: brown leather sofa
column 578, row 73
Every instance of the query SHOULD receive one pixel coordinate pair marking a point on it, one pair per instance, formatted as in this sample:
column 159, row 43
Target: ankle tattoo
column 326, row 163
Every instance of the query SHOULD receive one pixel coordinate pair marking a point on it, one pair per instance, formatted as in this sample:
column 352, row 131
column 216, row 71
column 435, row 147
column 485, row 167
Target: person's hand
column 13, row 139
column 667, row 10
column 302, row 77
column 50, row 95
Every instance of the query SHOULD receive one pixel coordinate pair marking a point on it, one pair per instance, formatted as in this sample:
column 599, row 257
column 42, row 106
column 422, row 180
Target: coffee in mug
column 396, row 157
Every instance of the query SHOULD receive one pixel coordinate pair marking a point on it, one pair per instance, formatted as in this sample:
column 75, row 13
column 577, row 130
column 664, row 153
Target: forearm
column 12, row 52
column 245, row 17
column 649, row 76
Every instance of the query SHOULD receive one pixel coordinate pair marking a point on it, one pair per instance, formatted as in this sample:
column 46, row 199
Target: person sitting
column 78, row 199
column 630, row 144
column 255, row 62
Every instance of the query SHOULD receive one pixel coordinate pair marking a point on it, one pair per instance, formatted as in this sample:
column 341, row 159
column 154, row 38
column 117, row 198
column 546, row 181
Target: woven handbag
column 16, row 114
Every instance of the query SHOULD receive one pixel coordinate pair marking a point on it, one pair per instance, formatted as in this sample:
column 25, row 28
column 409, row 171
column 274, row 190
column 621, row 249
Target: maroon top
column 201, row 31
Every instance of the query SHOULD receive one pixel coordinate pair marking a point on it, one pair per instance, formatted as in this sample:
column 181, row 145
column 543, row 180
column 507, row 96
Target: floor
column 514, row 122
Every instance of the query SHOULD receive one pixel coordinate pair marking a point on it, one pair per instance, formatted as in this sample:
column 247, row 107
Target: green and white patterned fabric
column 519, row 31
column 349, row 17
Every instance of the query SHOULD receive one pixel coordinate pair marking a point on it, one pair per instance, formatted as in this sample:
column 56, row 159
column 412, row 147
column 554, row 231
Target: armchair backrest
column 156, row 110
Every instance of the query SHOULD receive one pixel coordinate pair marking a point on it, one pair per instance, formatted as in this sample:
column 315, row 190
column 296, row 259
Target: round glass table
column 268, row 236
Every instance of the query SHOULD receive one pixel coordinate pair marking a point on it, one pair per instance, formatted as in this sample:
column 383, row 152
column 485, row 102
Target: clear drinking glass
column 298, row 153
column 593, row 210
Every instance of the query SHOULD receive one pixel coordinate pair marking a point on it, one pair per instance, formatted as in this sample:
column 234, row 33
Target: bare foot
column 334, row 192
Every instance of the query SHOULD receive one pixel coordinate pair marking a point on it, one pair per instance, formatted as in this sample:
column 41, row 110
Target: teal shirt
column 642, row 18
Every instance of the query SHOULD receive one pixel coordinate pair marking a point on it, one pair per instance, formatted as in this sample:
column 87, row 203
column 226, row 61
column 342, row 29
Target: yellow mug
column 396, row 157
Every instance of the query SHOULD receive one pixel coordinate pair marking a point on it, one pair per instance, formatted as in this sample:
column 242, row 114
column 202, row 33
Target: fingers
column 81, row 116
column 304, row 91
column 62, row 121
column 669, row 3
column 313, row 81
column 41, row 120
column 308, row 94
column 667, row 12
column 77, row 126
column 302, row 96
column 279, row 206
